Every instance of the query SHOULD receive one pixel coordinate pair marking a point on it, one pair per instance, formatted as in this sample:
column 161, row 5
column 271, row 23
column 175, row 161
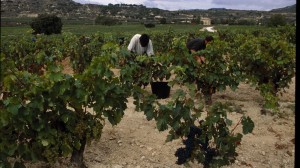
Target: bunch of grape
column 191, row 143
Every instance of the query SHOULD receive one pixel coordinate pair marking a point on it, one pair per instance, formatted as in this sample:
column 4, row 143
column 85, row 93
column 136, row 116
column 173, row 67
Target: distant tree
column 149, row 25
column 196, row 20
column 276, row 20
column 246, row 22
column 105, row 20
column 224, row 21
column 46, row 24
column 215, row 21
column 163, row 21
column 232, row 21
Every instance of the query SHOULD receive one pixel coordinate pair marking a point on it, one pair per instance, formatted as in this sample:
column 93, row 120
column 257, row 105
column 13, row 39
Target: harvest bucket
column 160, row 89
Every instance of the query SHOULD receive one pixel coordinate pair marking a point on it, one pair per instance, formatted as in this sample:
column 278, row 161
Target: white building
column 205, row 21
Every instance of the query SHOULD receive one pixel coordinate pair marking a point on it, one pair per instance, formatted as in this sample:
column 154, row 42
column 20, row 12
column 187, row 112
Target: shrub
column 46, row 24
column 276, row 20
column 104, row 20
column 163, row 21
column 149, row 25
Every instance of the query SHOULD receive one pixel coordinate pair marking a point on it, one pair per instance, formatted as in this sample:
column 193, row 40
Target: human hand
column 200, row 59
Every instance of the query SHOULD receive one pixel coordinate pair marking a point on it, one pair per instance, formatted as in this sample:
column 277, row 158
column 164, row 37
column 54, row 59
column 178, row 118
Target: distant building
column 27, row 14
column 158, row 17
column 205, row 21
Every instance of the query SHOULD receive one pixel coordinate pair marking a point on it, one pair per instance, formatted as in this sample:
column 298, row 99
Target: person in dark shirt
column 198, row 44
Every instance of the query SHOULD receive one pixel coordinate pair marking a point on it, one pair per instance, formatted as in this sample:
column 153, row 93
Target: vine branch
column 236, row 125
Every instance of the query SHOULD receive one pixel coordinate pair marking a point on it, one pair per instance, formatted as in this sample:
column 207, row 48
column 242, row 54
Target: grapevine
column 46, row 114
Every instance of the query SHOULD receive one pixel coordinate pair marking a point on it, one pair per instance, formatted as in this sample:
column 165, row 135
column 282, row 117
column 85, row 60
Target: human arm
column 199, row 58
column 150, row 49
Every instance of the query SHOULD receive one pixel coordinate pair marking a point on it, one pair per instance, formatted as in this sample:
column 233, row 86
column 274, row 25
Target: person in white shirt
column 141, row 44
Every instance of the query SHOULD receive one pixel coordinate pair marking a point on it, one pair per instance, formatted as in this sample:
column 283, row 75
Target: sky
column 261, row 5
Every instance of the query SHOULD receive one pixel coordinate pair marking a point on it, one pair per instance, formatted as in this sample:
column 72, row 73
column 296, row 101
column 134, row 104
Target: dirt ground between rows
column 136, row 143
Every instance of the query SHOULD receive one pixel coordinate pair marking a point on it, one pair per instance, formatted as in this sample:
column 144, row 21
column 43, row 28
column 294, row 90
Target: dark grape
column 209, row 154
column 194, row 131
column 184, row 154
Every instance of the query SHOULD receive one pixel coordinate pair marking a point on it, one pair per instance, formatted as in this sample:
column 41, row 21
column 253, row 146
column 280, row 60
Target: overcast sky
column 262, row 5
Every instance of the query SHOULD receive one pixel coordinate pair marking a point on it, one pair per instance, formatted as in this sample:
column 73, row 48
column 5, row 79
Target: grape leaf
column 248, row 125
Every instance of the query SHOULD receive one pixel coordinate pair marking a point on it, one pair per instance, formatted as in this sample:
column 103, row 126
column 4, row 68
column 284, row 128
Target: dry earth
column 136, row 143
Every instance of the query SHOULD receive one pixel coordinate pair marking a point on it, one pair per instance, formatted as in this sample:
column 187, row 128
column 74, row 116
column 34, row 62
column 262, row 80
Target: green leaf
column 77, row 144
column 13, row 109
column 56, row 76
column 149, row 113
column 162, row 123
column 54, row 68
column 248, row 125
column 23, row 149
column 4, row 119
column 170, row 137
column 65, row 118
column 8, row 81
column 176, row 125
column 38, row 125
column 45, row 142
column 34, row 156
column 66, row 149
column 114, row 117
column 12, row 149
column 228, row 122
column 38, row 103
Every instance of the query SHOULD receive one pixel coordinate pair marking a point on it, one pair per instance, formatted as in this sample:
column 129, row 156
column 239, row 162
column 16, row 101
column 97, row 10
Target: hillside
column 288, row 9
column 70, row 10
column 30, row 8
